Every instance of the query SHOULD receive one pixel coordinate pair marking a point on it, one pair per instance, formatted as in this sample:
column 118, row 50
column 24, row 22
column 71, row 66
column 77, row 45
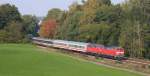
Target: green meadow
column 28, row 60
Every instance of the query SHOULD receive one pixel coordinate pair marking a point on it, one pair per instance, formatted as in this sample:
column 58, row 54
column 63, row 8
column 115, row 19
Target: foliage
column 98, row 21
column 70, row 28
column 13, row 27
column 7, row 14
column 30, row 24
column 54, row 13
column 47, row 28
column 135, row 24
column 10, row 24
column 89, row 9
column 9, row 35
column 95, row 33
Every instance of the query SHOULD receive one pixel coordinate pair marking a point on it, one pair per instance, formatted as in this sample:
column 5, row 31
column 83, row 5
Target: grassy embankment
column 28, row 60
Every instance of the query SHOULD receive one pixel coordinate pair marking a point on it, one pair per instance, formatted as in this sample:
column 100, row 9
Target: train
column 86, row 48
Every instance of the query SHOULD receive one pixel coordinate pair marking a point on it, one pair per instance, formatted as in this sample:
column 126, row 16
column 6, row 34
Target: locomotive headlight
column 118, row 53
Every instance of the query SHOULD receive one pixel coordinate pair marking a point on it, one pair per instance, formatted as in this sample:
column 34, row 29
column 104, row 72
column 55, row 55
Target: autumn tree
column 48, row 28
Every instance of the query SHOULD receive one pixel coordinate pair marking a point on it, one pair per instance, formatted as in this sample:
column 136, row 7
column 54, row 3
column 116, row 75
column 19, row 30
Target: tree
column 69, row 29
column 136, row 12
column 12, row 33
column 54, row 13
column 146, row 33
column 3, row 35
column 8, row 13
column 75, row 7
column 48, row 29
column 131, row 38
column 11, row 26
column 94, row 33
column 57, row 15
column 30, row 24
column 90, row 7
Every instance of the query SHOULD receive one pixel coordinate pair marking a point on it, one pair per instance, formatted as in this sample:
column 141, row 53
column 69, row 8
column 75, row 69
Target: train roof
column 37, row 38
column 71, row 42
column 113, row 47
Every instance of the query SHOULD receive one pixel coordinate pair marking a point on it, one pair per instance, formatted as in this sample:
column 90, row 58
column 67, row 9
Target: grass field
column 28, row 60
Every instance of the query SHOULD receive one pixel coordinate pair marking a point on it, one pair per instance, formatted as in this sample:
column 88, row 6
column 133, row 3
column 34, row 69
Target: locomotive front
column 119, row 52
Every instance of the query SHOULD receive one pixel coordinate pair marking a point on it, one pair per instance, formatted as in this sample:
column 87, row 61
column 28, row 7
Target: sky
column 41, row 7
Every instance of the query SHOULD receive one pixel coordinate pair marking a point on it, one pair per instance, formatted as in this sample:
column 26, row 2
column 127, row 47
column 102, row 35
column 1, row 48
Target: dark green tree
column 30, row 24
column 8, row 13
column 12, row 33
column 94, row 33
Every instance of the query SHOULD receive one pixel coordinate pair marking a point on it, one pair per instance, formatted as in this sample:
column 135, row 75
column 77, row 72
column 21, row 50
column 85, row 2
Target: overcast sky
column 41, row 7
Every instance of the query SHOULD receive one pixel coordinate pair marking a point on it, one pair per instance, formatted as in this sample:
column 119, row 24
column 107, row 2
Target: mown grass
column 27, row 60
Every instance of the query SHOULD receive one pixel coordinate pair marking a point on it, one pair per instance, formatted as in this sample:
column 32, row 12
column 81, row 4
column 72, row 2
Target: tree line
column 99, row 21
column 96, row 21
column 14, row 27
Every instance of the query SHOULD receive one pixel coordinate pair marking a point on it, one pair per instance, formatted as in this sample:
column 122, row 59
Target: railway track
column 138, row 61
